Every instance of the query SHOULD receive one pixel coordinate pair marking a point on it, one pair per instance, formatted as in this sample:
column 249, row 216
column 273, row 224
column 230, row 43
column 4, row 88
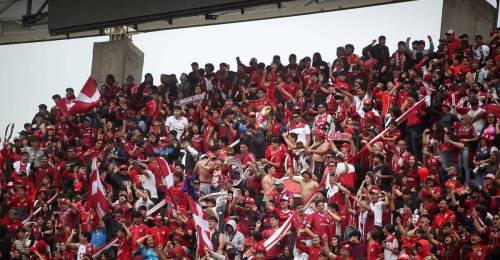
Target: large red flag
column 88, row 98
column 201, row 224
column 167, row 179
column 96, row 197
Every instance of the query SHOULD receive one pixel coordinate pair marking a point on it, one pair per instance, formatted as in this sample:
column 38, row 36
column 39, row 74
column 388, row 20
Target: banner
column 191, row 99
column 338, row 137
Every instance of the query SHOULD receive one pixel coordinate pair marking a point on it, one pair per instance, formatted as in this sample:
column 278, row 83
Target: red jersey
column 414, row 117
column 12, row 225
column 318, row 223
column 197, row 142
column 138, row 231
column 479, row 252
column 291, row 88
column 160, row 235
column 442, row 218
column 373, row 250
column 277, row 156
column 89, row 136
column 313, row 251
column 246, row 158
column 284, row 215
column 307, row 73
column 124, row 249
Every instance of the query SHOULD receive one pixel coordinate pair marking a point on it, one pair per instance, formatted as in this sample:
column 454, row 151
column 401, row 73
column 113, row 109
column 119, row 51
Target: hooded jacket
column 236, row 237
column 425, row 249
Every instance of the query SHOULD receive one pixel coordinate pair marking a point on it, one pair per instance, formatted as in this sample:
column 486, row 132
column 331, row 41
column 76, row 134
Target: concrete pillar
column 120, row 58
column 472, row 17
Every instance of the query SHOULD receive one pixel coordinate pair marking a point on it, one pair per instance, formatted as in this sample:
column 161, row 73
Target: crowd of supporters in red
column 391, row 154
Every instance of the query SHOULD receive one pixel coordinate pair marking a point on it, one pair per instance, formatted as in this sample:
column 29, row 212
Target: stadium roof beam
column 13, row 30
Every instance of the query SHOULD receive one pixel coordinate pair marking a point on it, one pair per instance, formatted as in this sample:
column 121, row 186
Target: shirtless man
column 307, row 184
column 202, row 170
column 268, row 180
column 319, row 148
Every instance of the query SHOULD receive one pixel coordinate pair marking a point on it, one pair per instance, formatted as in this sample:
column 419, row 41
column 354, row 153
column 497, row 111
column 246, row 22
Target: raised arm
column 70, row 239
column 141, row 240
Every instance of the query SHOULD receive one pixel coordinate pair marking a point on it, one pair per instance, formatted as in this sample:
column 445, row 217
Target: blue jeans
column 463, row 165
column 480, row 175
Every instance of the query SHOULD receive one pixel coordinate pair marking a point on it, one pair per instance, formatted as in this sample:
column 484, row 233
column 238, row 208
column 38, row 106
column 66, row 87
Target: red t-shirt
column 318, row 223
column 414, row 117
column 12, row 225
column 312, row 251
column 277, row 156
column 291, row 88
column 138, row 231
column 479, row 252
column 160, row 235
column 124, row 249
column 442, row 218
column 373, row 251
column 307, row 73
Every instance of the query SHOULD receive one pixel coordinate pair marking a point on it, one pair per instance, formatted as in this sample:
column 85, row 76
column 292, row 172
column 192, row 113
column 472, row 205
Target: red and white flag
column 88, row 98
column 96, row 197
column 167, row 178
column 201, row 224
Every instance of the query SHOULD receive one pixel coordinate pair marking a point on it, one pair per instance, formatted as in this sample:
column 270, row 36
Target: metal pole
column 496, row 14
column 28, row 7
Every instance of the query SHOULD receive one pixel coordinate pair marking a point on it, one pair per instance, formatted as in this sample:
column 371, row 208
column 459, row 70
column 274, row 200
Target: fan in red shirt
column 374, row 249
column 319, row 222
column 307, row 73
column 444, row 215
column 479, row 250
column 274, row 251
column 12, row 222
column 159, row 232
column 246, row 158
column 275, row 155
column 138, row 229
column 124, row 243
column 314, row 250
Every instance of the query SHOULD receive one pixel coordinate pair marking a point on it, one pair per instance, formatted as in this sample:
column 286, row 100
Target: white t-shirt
column 302, row 132
column 148, row 182
column 340, row 169
column 377, row 209
column 479, row 124
column 176, row 124
column 391, row 243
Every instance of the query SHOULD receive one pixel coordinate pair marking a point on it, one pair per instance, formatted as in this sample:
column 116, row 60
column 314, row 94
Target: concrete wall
column 120, row 58
column 472, row 17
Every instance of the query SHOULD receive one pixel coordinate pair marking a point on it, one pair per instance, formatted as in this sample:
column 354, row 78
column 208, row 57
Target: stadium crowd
column 382, row 155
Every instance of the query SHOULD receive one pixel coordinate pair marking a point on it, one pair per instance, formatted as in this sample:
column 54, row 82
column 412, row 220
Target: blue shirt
column 99, row 237
column 148, row 254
